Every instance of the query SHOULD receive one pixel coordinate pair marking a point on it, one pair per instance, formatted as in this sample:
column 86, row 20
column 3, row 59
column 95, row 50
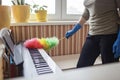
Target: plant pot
column 21, row 13
column 5, row 16
column 41, row 16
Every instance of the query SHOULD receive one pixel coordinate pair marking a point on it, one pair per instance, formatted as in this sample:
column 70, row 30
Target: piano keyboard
column 40, row 64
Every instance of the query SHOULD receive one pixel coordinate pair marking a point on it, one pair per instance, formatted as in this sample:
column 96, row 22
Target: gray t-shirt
column 102, row 15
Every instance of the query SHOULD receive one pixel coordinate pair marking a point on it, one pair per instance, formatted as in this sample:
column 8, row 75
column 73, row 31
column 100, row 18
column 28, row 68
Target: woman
column 103, row 28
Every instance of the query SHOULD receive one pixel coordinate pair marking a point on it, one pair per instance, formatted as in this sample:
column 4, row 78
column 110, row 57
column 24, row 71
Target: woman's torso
column 103, row 16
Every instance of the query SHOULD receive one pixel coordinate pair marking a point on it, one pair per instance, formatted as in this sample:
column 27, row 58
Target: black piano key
column 44, row 72
column 37, row 57
column 34, row 54
column 42, row 69
column 34, row 50
column 40, row 65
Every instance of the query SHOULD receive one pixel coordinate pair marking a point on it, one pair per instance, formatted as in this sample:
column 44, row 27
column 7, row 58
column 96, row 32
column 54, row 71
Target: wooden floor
column 69, row 61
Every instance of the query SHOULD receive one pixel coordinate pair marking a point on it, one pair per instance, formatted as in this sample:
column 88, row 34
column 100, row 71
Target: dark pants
column 94, row 46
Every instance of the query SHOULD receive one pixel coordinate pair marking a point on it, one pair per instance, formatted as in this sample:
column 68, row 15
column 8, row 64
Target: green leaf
column 18, row 2
column 22, row 2
column 13, row 2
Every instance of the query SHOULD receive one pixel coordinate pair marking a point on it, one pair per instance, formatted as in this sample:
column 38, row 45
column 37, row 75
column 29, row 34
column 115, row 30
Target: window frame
column 57, row 15
column 65, row 16
column 60, row 13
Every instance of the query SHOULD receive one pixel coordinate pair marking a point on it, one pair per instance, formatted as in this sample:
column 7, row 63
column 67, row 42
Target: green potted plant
column 5, row 15
column 21, row 11
column 0, row 2
column 40, row 12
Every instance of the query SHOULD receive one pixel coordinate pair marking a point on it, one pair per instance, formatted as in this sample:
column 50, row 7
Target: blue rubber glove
column 72, row 31
column 116, row 47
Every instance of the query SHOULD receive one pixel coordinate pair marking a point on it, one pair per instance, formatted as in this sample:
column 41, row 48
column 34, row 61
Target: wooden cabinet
column 1, row 61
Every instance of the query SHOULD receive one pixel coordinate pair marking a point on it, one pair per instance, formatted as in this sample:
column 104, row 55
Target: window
column 72, row 9
column 58, row 9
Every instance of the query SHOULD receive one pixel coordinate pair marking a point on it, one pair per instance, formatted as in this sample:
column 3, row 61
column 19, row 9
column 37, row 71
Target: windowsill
column 45, row 23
